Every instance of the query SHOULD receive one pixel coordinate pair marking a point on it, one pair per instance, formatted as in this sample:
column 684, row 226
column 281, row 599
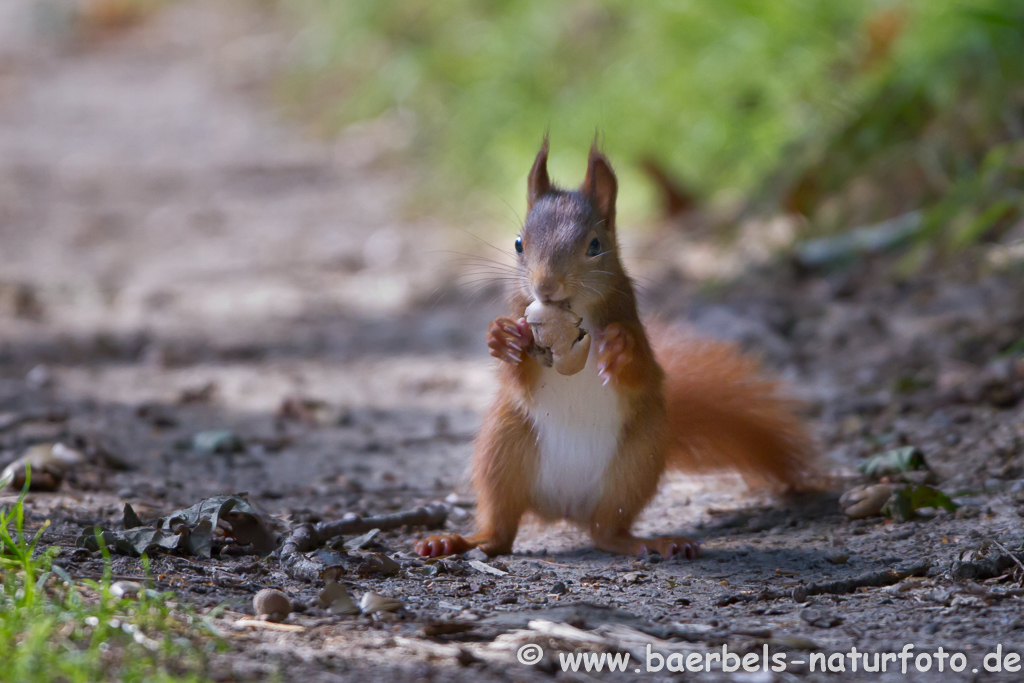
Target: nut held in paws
column 557, row 328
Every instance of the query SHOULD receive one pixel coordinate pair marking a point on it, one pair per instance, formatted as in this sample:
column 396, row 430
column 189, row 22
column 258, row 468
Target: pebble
column 49, row 462
column 272, row 605
column 335, row 597
column 372, row 603
column 865, row 501
column 125, row 589
column 476, row 554
column 838, row 558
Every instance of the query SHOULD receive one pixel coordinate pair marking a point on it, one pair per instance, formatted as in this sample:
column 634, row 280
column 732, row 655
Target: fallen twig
column 869, row 580
column 307, row 537
column 269, row 625
column 978, row 590
column 839, row 587
column 865, row 240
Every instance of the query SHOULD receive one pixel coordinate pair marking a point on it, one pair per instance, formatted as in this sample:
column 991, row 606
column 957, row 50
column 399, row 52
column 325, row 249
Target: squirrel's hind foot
column 666, row 546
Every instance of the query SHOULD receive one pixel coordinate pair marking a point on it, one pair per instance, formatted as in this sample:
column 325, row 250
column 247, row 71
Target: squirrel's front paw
column 509, row 339
column 614, row 351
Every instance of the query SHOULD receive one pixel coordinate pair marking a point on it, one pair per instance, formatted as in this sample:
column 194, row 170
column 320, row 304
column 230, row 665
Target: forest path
column 175, row 258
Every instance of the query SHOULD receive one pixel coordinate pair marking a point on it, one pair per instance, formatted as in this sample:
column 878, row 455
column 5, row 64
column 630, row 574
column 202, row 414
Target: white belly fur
column 577, row 422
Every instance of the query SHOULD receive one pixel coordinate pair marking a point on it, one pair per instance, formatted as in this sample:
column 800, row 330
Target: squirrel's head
column 567, row 249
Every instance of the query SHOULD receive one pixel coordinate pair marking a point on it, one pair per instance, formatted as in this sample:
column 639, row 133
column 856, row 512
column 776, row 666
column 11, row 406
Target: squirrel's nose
column 548, row 289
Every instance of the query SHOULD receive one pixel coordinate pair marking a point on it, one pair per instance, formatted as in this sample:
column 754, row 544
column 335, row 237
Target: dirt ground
column 175, row 258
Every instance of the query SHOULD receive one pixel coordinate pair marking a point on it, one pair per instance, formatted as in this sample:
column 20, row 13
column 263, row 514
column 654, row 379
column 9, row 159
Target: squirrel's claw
column 614, row 351
column 670, row 546
column 509, row 339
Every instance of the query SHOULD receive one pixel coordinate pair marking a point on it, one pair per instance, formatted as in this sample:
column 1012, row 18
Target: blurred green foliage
column 844, row 111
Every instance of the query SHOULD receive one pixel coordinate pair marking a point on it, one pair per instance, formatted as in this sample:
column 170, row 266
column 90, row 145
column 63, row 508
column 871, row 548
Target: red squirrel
column 592, row 447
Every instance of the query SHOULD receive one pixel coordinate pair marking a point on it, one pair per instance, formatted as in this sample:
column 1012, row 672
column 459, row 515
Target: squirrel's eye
column 519, row 245
column 594, row 248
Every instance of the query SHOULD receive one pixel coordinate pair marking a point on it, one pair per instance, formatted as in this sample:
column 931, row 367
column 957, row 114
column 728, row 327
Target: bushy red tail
column 724, row 414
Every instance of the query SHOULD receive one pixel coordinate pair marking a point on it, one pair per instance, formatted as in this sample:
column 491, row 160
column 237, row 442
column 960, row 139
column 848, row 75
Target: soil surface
column 174, row 258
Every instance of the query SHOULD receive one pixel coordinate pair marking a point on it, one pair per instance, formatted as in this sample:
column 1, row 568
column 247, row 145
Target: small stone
column 378, row 563
column 486, row 568
column 476, row 554
column 865, row 501
column 372, row 603
column 820, row 617
column 217, row 441
column 967, row 512
column 446, row 628
column 48, row 463
column 559, row 588
column 429, row 570
column 125, row 589
column 335, row 598
column 838, row 558
column 360, row 542
column 271, row 605
column 19, row 300
column 39, row 377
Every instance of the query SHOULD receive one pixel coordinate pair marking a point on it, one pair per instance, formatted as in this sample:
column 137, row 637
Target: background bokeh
column 843, row 112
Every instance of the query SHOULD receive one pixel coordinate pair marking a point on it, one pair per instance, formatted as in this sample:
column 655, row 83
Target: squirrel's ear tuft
column 538, row 184
column 600, row 185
